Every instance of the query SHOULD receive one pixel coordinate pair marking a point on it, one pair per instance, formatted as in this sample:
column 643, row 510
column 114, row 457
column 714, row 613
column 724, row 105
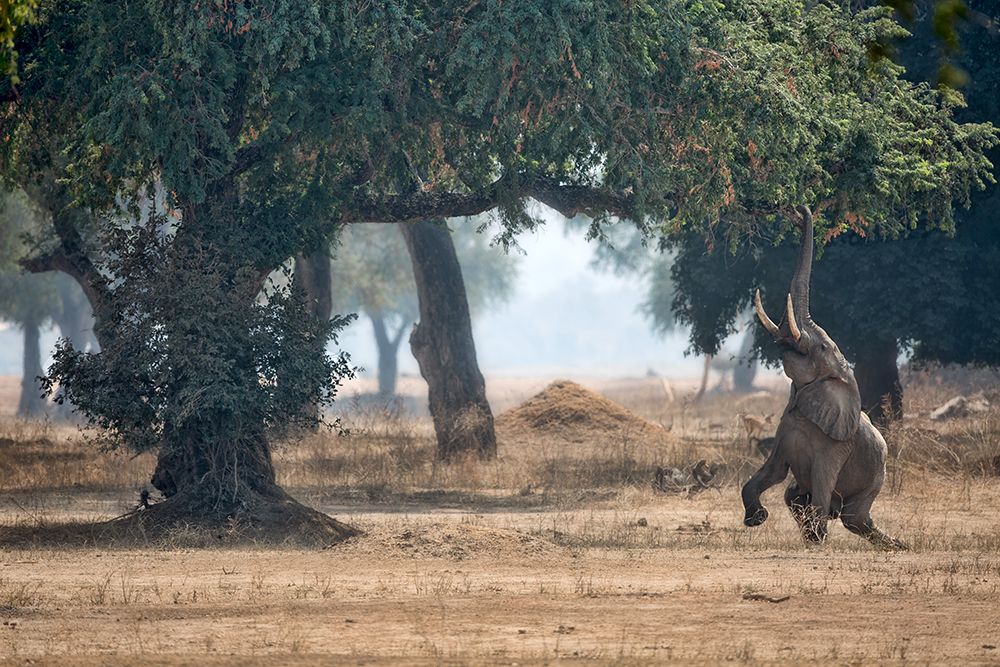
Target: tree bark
column 388, row 354
column 313, row 275
column 443, row 346
column 75, row 317
column 312, row 272
column 31, row 403
column 878, row 380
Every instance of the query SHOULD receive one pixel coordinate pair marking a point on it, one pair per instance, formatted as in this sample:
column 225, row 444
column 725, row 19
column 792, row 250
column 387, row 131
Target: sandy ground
column 458, row 568
column 521, row 585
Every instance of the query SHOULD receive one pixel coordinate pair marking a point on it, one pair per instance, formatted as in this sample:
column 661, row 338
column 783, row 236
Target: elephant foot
column 755, row 517
column 889, row 543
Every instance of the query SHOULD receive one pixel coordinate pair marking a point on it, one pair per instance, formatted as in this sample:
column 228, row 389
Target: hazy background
column 564, row 318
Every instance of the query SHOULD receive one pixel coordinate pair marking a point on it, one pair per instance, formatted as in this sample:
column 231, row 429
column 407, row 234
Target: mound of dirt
column 566, row 411
column 456, row 541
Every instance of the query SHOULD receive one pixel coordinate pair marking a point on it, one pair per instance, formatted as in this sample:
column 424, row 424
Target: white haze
column 564, row 318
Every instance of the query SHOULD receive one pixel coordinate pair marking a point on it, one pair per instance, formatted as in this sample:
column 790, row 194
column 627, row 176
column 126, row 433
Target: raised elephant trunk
column 803, row 270
column 797, row 304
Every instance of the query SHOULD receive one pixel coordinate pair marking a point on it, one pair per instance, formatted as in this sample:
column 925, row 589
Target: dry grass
column 558, row 550
column 388, row 456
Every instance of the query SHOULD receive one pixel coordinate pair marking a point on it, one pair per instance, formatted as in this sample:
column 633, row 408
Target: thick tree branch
column 569, row 200
column 57, row 260
column 69, row 254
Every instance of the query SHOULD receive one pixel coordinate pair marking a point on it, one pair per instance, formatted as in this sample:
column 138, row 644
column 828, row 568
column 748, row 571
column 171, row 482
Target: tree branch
column 569, row 200
column 69, row 254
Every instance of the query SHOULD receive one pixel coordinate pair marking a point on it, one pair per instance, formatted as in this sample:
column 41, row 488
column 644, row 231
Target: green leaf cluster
column 200, row 359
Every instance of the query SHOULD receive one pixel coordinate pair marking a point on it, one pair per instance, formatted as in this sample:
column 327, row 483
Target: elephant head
column 824, row 390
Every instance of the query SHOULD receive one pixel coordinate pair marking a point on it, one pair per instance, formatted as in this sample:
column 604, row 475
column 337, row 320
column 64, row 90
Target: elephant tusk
column 762, row 316
column 792, row 324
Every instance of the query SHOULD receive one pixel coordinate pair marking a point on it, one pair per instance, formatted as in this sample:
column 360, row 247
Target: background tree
column 372, row 274
column 26, row 299
column 269, row 126
column 34, row 301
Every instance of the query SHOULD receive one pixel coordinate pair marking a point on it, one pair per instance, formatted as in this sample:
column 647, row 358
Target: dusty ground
column 465, row 566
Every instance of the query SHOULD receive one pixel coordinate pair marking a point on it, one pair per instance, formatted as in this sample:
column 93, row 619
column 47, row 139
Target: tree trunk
column 312, row 272
column 214, row 466
column 443, row 346
column 704, row 377
column 313, row 275
column 388, row 354
column 75, row 317
column 31, row 403
column 185, row 463
column 745, row 370
column 878, row 380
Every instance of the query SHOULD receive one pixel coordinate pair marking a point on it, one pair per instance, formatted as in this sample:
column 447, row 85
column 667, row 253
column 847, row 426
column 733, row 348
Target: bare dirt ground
column 559, row 551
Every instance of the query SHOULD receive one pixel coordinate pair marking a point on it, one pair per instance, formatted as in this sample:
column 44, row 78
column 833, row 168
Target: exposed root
column 272, row 518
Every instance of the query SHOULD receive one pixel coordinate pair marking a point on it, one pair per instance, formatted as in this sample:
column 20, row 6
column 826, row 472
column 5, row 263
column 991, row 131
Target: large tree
column 268, row 125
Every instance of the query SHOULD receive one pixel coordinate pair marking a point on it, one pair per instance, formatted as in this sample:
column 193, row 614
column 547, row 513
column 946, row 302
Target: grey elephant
column 836, row 455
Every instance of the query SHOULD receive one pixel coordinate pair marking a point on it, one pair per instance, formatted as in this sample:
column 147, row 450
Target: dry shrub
column 968, row 446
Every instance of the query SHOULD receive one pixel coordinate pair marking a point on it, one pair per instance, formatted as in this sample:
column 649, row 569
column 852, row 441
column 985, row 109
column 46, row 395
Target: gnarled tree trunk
column 443, row 346
column 31, row 403
column 878, row 380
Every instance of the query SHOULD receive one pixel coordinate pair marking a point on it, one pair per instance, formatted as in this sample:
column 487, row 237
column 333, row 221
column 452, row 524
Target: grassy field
column 560, row 550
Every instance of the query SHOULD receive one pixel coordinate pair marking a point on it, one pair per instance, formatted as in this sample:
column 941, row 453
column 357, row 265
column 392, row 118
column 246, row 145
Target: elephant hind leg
column 856, row 517
column 774, row 470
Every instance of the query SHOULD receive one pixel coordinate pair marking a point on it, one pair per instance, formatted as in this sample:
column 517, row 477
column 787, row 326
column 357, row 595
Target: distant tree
column 372, row 274
column 33, row 301
column 26, row 299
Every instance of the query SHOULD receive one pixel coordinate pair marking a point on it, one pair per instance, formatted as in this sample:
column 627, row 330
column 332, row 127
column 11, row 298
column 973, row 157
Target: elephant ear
column 833, row 405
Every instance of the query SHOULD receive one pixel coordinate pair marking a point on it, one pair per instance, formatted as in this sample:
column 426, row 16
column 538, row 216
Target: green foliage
column 694, row 109
column 192, row 354
column 13, row 14
column 931, row 292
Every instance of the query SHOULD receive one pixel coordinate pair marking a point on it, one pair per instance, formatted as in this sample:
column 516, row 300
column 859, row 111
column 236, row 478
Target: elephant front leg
column 772, row 472
column 798, row 502
column 823, row 476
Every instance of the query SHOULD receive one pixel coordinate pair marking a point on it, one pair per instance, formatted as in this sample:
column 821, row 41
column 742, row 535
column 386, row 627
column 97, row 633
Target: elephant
column 835, row 454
